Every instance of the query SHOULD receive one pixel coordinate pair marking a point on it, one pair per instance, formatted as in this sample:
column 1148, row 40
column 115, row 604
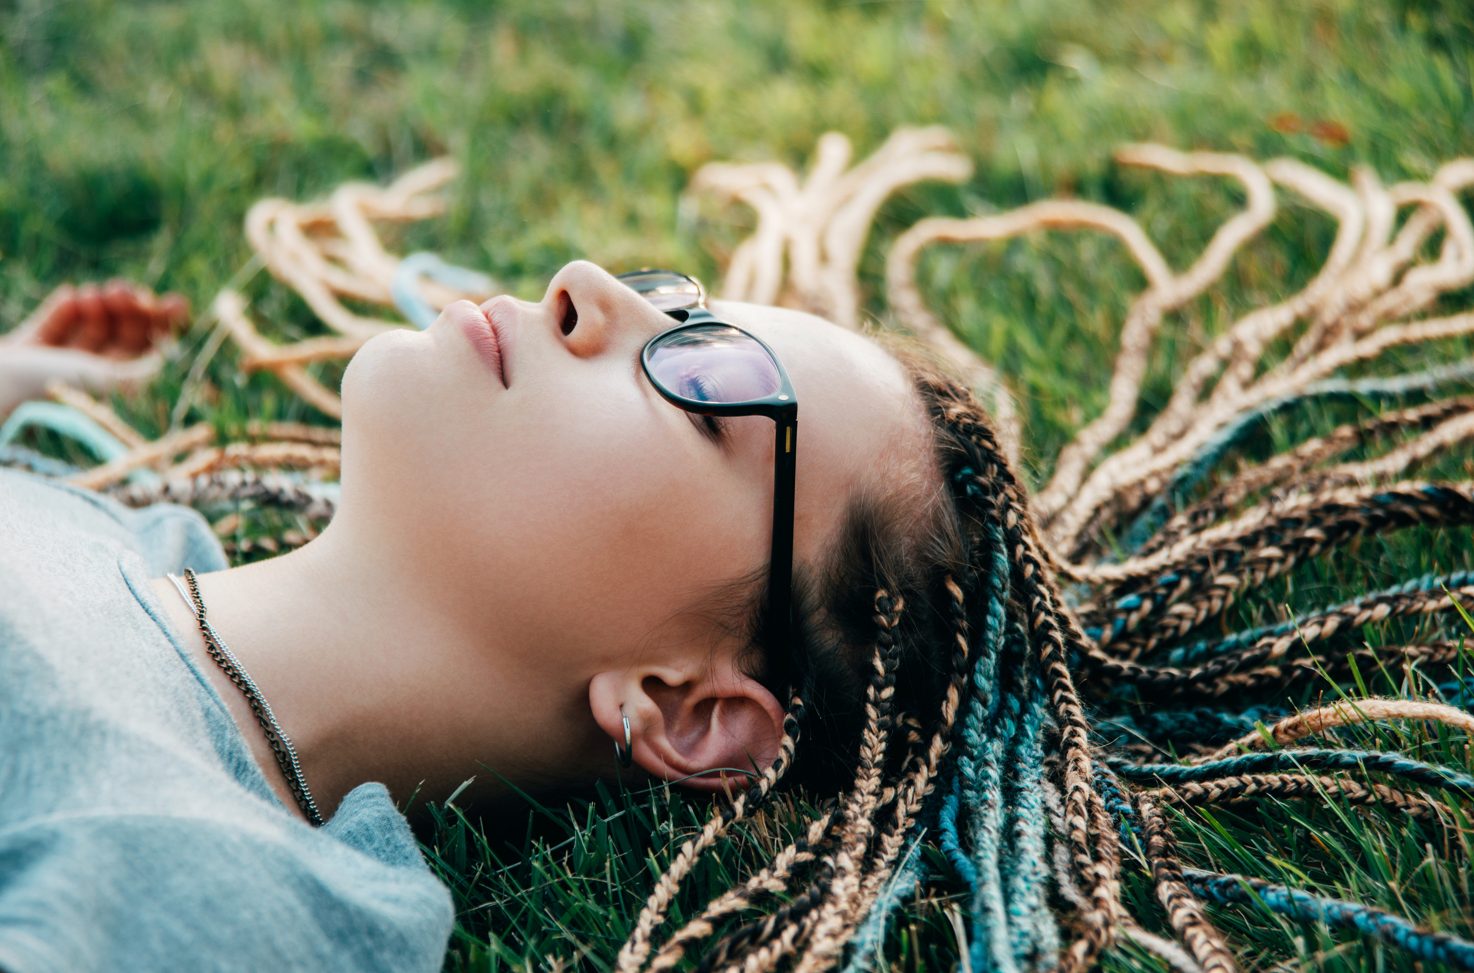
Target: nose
column 594, row 311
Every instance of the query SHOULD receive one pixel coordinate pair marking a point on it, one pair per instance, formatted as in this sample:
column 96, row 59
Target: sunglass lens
column 713, row 363
column 666, row 289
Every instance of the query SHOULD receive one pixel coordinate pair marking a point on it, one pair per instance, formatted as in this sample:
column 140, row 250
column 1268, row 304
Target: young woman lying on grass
column 536, row 553
column 588, row 521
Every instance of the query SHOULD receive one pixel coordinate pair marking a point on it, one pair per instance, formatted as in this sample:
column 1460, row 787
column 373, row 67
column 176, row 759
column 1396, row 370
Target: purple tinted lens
column 712, row 363
column 667, row 290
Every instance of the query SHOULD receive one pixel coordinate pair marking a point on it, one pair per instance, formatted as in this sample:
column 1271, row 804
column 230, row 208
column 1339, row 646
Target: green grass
column 134, row 137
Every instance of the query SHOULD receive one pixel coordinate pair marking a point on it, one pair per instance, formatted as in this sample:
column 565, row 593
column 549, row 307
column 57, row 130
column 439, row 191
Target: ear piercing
column 626, row 753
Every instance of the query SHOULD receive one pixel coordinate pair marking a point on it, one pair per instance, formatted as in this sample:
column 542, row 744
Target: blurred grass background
column 134, row 136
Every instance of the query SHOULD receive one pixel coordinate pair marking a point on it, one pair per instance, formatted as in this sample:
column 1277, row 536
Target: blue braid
column 990, row 827
column 1200, row 723
column 1458, row 692
column 1114, row 798
column 1228, row 889
column 971, row 817
column 1198, row 651
column 1168, row 584
column 950, row 843
column 64, row 421
column 980, row 767
column 23, row 457
column 994, row 785
column 405, row 287
column 1035, row 933
column 1367, row 920
column 1231, row 889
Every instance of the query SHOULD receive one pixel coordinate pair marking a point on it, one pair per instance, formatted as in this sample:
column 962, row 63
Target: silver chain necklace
column 281, row 744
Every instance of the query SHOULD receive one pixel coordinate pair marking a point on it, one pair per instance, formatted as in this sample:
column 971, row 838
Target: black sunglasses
column 709, row 367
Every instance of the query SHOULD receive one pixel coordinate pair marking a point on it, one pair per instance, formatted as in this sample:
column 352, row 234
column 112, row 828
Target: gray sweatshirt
column 136, row 830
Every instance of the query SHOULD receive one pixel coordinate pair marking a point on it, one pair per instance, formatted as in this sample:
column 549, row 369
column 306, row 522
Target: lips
column 479, row 327
column 501, row 333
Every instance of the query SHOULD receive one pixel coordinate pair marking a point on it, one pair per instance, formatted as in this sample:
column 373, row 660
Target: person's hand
column 95, row 337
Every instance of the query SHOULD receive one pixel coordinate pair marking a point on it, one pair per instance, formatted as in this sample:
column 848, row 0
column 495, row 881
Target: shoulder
column 31, row 503
column 159, row 890
column 67, row 601
column 41, row 516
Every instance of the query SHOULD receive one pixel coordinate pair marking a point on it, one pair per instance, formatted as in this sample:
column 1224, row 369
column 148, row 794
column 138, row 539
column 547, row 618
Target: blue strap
column 416, row 267
column 66, row 421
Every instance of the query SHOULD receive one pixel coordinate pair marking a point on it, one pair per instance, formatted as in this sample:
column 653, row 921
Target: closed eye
column 702, row 388
column 711, row 427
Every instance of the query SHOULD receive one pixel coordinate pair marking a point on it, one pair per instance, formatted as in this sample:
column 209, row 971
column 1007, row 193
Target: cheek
column 604, row 537
column 565, row 521
column 604, row 498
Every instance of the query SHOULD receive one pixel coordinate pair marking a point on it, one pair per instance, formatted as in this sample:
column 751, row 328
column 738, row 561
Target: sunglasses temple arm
column 780, row 586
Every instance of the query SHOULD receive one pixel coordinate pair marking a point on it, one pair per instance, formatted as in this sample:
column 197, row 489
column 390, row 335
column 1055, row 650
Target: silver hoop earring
column 626, row 754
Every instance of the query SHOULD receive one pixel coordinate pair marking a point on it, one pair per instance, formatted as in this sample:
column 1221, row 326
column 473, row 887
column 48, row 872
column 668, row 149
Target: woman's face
column 574, row 514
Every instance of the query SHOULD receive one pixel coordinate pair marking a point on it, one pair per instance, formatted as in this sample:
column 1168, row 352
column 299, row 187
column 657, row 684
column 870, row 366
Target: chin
column 378, row 365
column 386, row 407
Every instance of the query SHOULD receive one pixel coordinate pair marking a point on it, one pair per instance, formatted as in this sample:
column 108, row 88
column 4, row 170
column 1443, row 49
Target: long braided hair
column 1028, row 688
column 1040, row 749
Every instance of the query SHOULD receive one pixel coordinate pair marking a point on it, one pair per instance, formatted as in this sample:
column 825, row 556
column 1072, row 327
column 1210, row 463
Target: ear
column 685, row 722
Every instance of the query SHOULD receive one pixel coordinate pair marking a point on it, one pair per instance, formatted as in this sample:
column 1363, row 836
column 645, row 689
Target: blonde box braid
column 1296, row 465
column 779, row 928
column 328, row 252
column 1337, row 335
column 837, row 914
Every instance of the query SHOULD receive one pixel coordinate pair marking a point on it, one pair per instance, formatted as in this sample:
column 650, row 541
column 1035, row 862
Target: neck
column 373, row 680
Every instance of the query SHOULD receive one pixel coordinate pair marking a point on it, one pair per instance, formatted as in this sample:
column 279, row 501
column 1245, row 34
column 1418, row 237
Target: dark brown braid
column 1250, row 788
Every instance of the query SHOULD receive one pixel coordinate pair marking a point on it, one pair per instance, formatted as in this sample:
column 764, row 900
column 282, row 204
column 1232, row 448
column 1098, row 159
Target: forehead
column 822, row 352
column 858, row 418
